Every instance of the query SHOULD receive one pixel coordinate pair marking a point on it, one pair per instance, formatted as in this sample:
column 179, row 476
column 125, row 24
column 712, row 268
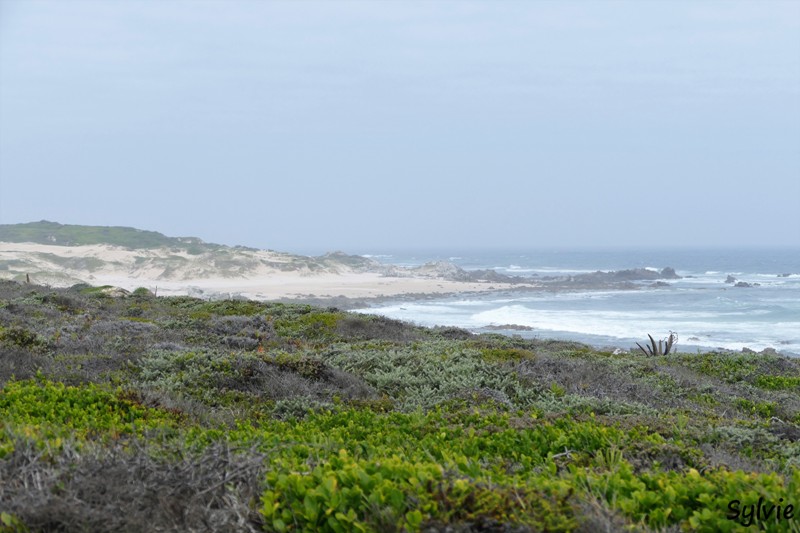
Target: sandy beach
column 290, row 285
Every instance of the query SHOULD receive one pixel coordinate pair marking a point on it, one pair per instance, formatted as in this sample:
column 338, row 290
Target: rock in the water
column 743, row 284
column 730, row 279
column 669, row 273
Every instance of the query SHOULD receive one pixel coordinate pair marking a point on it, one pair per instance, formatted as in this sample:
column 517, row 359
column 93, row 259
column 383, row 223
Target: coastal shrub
column 347, row 494
column 452, row 333
column 484, row 395
column 18, row 336
column 101, row 291
column 19, row 364
column 63, row 302
column 698, row 502
column 308, row 367
column 296, row 407
column 777, row 382
column 142, row 293
column 242, row 332
column 197, row 373
column 383, row 404
column 253, row 326
column 426, row 373
column 77, row 369
column 386, row 472
column 568, row 462
column 373, row 327
column 762, row 409
column 625, row 381
column 576, row 404
column 245, row 379
column 315, row 325
column 557, row 348
column 229, row 307
column 504, row 355
column 121, row 337
column 747, row 367
column 746, row 439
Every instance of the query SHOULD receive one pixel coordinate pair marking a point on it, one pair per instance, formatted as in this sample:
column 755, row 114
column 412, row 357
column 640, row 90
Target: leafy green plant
column 502, row 355
column 304, row 365
column 49, row 411
column 313, row 325
column 778, row 382
column 11, row 524
column 762, row 409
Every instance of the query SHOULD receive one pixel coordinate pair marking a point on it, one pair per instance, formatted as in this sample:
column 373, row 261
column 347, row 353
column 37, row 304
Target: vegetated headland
column 59, row 255
column 123, row 410
column 130, row 412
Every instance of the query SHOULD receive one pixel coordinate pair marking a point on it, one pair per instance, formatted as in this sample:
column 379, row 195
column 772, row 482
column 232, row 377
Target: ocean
column 704, row 310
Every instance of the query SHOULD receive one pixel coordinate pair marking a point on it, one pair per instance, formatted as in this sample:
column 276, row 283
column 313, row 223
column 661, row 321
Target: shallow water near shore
column 705, row 311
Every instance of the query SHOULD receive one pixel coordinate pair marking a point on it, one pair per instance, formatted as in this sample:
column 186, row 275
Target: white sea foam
column 703, row 309
column 517, row 269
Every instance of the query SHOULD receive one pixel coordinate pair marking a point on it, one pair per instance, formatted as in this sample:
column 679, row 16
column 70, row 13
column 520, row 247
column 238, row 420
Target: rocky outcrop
column 441, row 270
column 495, row 277
column 636, row 274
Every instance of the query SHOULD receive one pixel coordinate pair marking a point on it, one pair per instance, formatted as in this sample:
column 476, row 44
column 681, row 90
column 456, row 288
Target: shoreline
column 336, row 280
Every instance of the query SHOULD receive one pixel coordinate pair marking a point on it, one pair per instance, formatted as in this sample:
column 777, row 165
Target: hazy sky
column 313, row 126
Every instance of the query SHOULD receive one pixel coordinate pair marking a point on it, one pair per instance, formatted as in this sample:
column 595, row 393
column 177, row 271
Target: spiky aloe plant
column 663, row 347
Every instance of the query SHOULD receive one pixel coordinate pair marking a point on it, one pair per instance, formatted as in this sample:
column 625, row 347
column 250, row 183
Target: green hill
column 45, row 232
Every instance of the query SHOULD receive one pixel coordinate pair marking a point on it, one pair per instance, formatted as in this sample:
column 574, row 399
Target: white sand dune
column 257, row 274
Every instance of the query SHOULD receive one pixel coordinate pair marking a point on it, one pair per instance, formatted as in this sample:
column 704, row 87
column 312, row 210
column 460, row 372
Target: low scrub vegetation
column 130, row 412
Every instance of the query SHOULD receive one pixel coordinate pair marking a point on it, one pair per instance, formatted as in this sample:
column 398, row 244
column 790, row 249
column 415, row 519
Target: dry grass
column 129, row 489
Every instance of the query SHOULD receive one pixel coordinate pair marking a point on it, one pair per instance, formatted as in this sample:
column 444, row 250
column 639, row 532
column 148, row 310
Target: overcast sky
column 311, row 126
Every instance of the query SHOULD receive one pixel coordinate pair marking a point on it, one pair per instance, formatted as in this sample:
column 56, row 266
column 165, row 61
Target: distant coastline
column 713, row 300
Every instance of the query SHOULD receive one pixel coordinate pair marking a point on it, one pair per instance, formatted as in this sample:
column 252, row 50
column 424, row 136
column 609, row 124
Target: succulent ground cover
column 138, row 413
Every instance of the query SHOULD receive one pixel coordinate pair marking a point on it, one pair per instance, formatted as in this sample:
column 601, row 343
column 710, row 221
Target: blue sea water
column 706, row 312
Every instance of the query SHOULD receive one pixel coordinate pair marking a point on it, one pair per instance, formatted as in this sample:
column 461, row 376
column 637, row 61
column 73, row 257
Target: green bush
column 313, row 325
column 49, row 411
column 778, row 382
column 503, row 355
column 22, row 338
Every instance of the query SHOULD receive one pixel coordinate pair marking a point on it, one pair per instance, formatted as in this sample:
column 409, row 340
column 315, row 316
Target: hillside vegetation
column 45, row 232
column 138, row 413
